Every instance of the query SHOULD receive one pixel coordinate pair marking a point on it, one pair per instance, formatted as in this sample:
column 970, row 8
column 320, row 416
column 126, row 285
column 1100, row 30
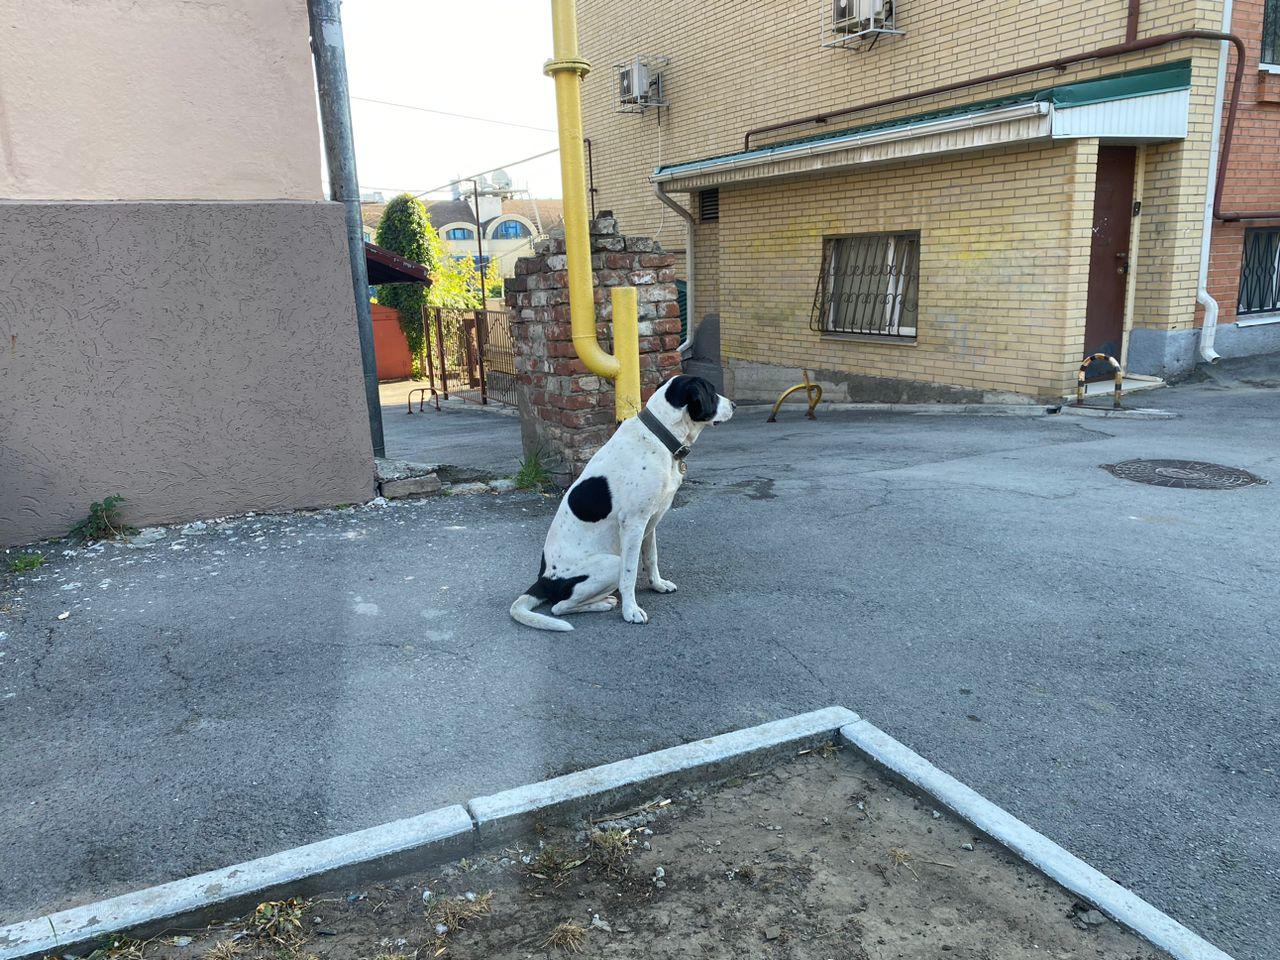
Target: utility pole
column 344, row 187
column 475, row 195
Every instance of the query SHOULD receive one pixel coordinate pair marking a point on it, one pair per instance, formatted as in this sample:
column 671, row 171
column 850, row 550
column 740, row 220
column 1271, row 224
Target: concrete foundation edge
column 1122, row 905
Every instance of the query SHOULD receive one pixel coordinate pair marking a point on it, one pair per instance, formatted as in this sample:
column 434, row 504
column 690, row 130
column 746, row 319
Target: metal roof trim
column 817, row 148
column 1146, row 81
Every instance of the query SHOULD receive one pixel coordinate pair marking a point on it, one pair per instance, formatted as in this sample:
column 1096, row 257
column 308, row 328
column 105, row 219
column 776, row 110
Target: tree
column 493, row 286
column 406, row 229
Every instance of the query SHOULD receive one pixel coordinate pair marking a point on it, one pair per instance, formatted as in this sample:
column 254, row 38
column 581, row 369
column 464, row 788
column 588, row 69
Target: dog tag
column 684, row 468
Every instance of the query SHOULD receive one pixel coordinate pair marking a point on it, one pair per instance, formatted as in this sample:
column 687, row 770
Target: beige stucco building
column 971, row 244
column 173, row 284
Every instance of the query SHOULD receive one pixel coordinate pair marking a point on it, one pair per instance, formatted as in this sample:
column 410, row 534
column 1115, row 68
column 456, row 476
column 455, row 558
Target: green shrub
column 103, row 522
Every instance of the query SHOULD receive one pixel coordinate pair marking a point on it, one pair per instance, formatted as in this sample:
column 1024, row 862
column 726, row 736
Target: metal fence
column 470, row 354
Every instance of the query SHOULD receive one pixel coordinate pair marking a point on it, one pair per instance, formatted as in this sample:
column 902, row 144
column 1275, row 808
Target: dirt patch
column 820, row 857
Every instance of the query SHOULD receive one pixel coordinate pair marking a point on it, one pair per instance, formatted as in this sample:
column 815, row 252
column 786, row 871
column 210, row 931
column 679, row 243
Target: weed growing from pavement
column 533, row 474
column 25, row 562
column 103, row 522
column 568, row 936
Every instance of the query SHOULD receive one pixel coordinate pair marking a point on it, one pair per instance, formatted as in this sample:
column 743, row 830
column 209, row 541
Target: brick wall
column 567, row 413
column 1253, row 175
column 1004, row 256
column 772, row 67
column 735, row 65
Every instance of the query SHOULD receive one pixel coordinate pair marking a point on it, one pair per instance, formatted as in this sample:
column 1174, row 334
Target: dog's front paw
column 662, row 586
column 633, row 614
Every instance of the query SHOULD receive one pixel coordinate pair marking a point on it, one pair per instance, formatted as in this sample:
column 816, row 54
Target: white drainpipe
column 1210, row 327
column 687, row 217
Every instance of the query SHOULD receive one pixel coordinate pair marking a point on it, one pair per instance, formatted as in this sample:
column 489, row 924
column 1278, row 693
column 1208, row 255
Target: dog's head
column 696, row 399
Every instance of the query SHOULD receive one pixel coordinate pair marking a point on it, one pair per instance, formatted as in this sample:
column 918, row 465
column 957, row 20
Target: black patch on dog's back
column 590, row 499
column 553, row 589
column 694, row 393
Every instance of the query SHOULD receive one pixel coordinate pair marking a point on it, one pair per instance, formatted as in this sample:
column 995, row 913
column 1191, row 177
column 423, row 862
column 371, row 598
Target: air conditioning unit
column 640, row 84
column 633, row 82
column 860, row 16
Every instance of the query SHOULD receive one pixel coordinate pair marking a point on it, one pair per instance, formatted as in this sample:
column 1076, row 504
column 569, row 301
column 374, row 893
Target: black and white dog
column 604, row 529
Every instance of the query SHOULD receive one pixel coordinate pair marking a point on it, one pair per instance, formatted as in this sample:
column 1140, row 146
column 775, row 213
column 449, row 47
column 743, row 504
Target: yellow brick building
column 974, row 244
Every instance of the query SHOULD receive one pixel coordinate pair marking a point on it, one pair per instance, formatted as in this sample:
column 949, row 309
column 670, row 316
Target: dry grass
column 902, row 858
column 553, row 862
column 824, row 750
column 568, row 936
column 278, row 920
column 457, row 913
column 612, row 850
column 225, row 950
column 120, row 948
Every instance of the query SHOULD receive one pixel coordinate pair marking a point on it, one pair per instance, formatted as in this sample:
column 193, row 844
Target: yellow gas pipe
column 623, row 366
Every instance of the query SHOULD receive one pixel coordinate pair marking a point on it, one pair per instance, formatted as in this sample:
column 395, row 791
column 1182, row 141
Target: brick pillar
column 566, row 413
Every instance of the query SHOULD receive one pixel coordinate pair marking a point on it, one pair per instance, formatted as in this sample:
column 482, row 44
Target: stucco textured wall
column 157, row 100
column 197, row 359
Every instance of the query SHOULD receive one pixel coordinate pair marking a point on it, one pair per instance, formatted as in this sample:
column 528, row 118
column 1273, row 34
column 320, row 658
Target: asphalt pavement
column 1096, row 655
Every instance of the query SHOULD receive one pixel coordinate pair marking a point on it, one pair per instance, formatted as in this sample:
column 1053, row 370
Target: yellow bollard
column 623, row 366
column 813, row 392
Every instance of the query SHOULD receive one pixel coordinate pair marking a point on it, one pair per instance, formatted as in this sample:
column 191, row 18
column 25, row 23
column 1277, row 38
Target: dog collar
column 678, row 450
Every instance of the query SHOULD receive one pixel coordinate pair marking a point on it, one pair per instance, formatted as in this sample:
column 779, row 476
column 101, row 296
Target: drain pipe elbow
column 1209, row 328
column 687, row 217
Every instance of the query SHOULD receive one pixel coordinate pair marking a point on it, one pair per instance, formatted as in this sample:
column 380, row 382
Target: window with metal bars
column 869, row 285
column 708, row 206
column 1260, row 272
column 1271, row 32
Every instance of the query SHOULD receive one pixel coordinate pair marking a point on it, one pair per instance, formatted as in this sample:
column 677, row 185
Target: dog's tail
column 522, row 612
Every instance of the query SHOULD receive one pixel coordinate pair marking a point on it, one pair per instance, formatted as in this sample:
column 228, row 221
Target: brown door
column 1109, row 255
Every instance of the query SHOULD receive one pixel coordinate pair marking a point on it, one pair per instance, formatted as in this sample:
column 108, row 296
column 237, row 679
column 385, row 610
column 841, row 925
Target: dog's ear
column 695, row 394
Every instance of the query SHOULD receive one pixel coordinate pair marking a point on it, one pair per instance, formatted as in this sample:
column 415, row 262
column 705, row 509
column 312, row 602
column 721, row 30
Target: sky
column 481, row 58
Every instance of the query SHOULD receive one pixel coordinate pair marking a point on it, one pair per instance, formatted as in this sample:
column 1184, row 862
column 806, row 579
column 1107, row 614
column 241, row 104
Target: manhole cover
column 1186, row 474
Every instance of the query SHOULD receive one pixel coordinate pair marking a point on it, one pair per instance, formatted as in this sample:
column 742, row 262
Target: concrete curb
column 1124, row 413
column 405, row 846
column 1069, row 871
column 982, row 410
column 400, row 846
column 506, row 814
column 921, row 409
column 418, row 842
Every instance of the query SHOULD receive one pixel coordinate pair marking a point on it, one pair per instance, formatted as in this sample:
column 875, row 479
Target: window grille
column 869, row 285
column 1260, row 272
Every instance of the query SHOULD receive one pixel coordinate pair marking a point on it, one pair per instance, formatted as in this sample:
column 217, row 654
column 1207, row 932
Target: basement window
column 869, row 286
column 708, row 206
column 1260, row 272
